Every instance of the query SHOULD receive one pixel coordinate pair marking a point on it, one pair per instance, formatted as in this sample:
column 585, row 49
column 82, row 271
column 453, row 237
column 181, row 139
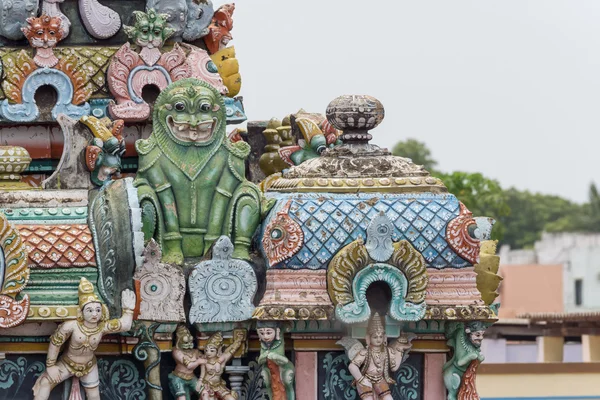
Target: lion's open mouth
column 199, row 133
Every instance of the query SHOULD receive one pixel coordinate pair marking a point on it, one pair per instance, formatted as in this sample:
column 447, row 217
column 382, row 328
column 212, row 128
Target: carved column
column 550, row 348
column 591, row 348
column 237, row 373
column 306, row 375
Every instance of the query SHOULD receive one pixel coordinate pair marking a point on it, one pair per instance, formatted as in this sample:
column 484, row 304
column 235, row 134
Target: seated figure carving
column 191, row 177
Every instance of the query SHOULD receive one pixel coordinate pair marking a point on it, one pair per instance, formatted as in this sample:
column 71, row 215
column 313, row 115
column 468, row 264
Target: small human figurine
column 183, row 381
column 371, row 366
column 83, row 336
column 277, row 371
column 211, row 385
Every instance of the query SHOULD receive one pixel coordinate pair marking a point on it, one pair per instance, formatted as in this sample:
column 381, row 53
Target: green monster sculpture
column 466, row 342
column 277, row 371
column 191, row 178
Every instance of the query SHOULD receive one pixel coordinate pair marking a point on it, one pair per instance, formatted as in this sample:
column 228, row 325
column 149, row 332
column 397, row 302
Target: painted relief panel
column 120, row 378
column 335, row 382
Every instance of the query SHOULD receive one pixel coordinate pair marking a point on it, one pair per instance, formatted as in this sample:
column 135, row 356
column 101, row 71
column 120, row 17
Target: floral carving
column 129, row 71
column 283, row 237
column 14, row 275
column 468, row 389
column 27, row 75
column 162, row 287
column 458, row 236
column 223, row 288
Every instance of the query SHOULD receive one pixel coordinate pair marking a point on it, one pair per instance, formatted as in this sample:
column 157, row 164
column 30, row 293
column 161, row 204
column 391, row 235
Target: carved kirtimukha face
column 92, row 313
column 476, row 337
column 267, row 335
column 186, row 342
column 43, row 32
column 150, row 29
column 192, row 113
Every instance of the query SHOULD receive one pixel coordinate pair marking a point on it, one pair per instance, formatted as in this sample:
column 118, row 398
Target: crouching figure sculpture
column 191, row 177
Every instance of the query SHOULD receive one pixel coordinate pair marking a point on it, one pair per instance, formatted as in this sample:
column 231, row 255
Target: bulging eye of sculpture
column 211, row 67
column 276, row 234
column 383, row 230
column 205, row 107
column 157, row 31
column 145, row 30
column 180, row 106
column 40, row 32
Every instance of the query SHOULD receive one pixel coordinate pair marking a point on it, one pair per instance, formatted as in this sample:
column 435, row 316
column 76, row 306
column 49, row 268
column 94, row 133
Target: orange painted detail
column 219, row 30
column 13, row 312
column 65, row 246
column 276, row 383
column 468, row 389
column 457, row 236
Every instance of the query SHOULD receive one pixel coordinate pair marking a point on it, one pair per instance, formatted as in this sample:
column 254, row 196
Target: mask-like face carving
column 267, row 335
column 13, row 15
column 186, row 342
column 200, row 14
column 43, row 32
column 210, row 351
column 92, row 313
column 191, row 114
column 150, row 29
column 476, row 338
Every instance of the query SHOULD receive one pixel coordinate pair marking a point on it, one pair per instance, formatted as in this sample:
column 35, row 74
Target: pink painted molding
column 452, row 287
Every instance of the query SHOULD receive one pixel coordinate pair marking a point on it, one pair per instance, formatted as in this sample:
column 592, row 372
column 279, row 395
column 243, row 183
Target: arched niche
column 28, row 110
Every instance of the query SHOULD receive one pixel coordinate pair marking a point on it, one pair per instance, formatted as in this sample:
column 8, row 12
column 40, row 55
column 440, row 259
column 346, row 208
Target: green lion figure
column 191, row 177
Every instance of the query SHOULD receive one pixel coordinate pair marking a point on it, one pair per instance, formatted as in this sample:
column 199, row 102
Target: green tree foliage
column 521, row 216
column 417, row 151
column 483, row 196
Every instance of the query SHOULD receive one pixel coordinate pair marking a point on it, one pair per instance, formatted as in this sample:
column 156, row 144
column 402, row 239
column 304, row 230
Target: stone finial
column 355, row 115
column 13, row 161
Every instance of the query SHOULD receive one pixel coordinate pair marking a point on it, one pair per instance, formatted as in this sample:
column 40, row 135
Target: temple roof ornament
column 356, row 165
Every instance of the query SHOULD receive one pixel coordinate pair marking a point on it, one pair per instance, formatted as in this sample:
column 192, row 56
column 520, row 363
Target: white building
column 579, row 253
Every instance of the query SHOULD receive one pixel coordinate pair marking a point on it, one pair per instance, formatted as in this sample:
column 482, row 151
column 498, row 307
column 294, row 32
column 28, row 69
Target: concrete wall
column 577, row 253
column 539, row 381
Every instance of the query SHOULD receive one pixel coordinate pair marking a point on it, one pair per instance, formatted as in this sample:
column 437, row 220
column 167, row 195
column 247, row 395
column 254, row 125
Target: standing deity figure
column 211, row 385
column 277, row 371
column 183, row 381
column 371, row 366
column 83, row 336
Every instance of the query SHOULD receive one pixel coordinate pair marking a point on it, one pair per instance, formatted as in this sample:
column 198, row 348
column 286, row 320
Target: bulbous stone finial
column 13, row 161
column 355, row 115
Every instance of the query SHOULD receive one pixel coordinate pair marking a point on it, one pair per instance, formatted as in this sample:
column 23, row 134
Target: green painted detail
column 359, row 310
column 57, row 286
column 195, row 178
column 24, row 339
column 38, row 166
column 69, row 215
column 129, row 164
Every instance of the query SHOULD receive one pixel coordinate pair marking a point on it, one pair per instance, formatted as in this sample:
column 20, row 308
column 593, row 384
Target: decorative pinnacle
column 355, row 115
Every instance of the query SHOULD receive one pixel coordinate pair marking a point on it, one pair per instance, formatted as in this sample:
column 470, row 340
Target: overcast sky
column 508, row 88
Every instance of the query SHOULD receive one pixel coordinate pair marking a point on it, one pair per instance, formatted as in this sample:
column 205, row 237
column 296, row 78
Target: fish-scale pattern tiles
column 333, row 221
